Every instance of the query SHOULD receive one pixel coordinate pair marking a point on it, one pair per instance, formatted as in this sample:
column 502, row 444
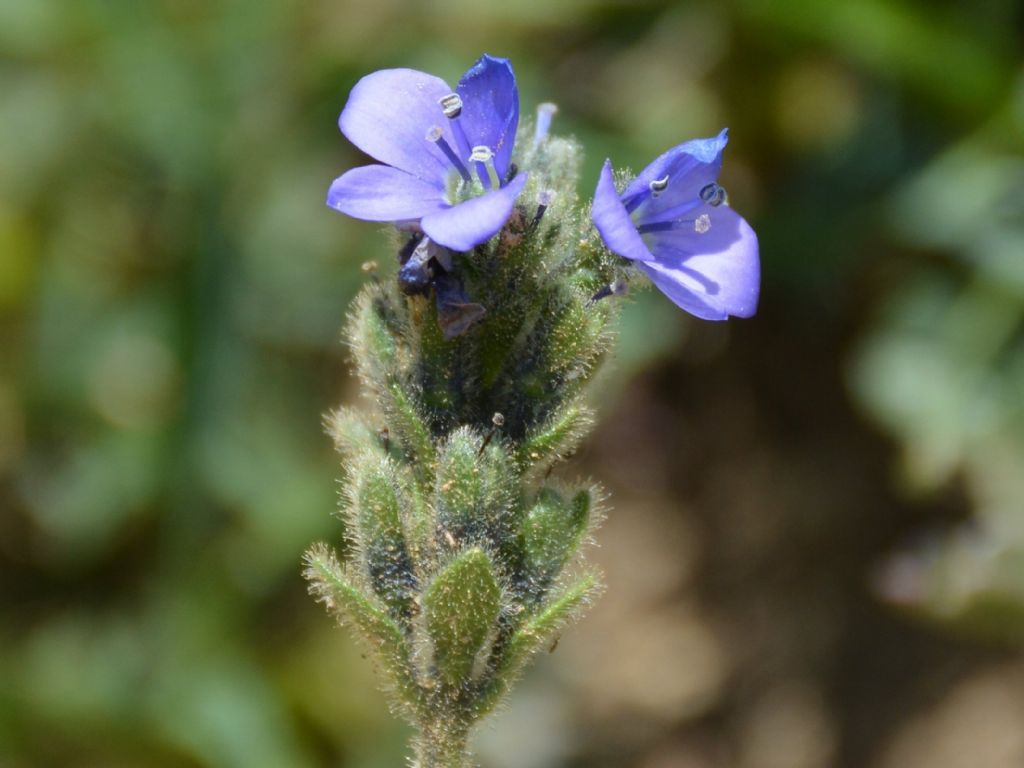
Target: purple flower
column 446, row 154
column 674, row 221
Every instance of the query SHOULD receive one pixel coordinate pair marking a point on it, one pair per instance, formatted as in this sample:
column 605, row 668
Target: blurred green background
column 816, row 550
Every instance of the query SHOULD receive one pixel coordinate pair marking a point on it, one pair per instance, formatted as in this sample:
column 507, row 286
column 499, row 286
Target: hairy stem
column 441, row 744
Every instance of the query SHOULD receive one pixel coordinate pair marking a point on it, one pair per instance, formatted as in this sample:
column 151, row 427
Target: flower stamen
column 484, row 159
column 451, row 105
column 714, row 194
column 658, row 186
column 436, row 135
column 701, row 225
column 545, row 112
column 543, row 201
column 615, row 288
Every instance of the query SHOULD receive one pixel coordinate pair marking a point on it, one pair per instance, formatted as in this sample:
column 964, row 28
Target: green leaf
column 436, row 359
column 410, row 429
column 475, row 489
column 378, row 504
column 461, row 607
column 555, row 437
column 531, row 635
column 351, row 434
column 573, row 336
column 551, row 534
column 372, row 340
column 381, row 634
column 459, row 485
column 376, row 334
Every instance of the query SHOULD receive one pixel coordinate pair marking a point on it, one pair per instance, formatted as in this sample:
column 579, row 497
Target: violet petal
column 490, row 108
column 388, row 115
column 472, row 222
column 712, row 275
column 689, row 167
column 613, row 222
column 382, row 193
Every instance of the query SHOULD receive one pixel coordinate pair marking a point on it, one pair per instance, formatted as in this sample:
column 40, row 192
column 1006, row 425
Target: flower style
column 673, row 220
column 446, row 154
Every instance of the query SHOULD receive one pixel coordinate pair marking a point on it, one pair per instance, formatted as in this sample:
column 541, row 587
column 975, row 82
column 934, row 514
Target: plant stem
column 442, row 745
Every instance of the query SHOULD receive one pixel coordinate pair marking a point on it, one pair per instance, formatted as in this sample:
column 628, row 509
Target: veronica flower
column 445, row 154
column 674, row 222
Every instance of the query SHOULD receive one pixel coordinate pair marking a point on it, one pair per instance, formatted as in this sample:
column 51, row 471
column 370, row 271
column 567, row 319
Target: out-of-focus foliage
column 171, row 286
column 944, row 371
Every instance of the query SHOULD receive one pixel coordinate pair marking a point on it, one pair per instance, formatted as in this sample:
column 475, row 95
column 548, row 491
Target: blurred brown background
column 815, row 554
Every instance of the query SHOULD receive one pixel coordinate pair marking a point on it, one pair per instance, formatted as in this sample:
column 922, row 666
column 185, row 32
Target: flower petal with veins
column 675, row 225
column 396, row 116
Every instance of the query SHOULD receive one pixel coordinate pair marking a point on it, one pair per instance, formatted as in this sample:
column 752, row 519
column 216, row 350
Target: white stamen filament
column 484, row 158
column 451, row 105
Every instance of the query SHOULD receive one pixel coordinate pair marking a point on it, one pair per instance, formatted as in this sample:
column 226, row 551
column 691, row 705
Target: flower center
column 462, row 185
column 712, row 194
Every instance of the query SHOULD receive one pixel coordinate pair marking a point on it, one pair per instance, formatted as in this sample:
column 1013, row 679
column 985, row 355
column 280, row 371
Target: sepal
column 461, row 606
column 551, row 533
column 555, row 438
column 378, row 503
column 376, row 333
column 474, row 490
column 382, row 636
column 532, row 634
column 352, row 436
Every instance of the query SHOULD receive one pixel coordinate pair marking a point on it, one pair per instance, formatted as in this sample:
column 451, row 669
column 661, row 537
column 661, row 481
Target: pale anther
column 451, row 105
column 714, row 194
column 483, row 156
column 658, row 185
column 702, row 224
